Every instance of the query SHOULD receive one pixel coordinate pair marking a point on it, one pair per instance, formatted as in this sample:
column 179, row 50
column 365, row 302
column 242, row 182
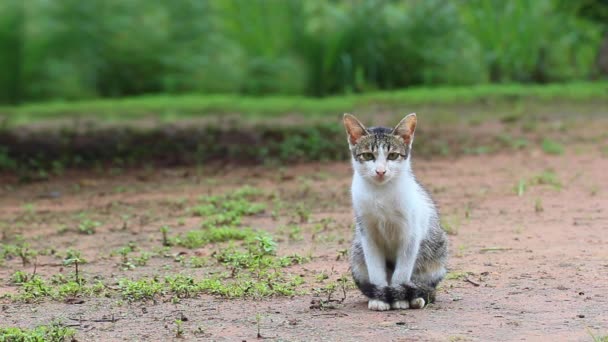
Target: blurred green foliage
column 73, row 49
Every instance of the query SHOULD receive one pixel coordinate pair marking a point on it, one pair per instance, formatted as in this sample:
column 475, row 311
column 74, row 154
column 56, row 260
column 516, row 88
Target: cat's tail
column 390, row 294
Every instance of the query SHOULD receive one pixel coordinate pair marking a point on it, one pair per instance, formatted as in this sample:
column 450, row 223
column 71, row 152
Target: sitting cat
column 399, row 252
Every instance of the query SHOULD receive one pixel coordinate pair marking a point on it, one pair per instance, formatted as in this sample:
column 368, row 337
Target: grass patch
column 222, row 215
column 198, row 238
column 547, row 177
column 34, row 288
column 196, row 105
column 251, row 270
column 457, row 275
column 50, row 333
column 552, row 147
column 265, row 283
column 143, row 289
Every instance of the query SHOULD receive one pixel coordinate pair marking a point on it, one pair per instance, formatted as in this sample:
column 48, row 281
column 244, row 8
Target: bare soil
column 528, row 267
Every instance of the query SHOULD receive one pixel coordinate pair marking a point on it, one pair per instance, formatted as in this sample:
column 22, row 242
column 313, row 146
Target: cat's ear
column 405, row 128
column 354, row 128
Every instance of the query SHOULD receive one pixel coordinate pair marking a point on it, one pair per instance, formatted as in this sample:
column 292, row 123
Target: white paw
column 400, row 305
column 417, row 303
column 378, row 305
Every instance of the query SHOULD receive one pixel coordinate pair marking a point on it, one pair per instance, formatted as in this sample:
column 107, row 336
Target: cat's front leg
column 376, row 268
column 401, row 278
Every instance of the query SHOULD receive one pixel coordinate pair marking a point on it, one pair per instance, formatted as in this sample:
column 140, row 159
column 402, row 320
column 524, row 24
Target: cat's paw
column 400, row 305
column 378, row 305
column 417, row 303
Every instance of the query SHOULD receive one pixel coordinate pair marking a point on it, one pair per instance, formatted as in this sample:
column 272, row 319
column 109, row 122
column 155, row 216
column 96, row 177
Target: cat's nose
column 380, row 172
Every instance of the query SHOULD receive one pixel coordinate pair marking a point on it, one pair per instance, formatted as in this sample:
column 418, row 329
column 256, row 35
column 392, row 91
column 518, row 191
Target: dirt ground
column 530, row 266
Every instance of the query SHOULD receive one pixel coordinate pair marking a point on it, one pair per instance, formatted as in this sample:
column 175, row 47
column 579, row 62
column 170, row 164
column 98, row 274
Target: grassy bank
column 281, row 130
column 200, row 105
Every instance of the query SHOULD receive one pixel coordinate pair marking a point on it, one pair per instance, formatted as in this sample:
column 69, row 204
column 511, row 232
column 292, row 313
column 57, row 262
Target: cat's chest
column 381, row 210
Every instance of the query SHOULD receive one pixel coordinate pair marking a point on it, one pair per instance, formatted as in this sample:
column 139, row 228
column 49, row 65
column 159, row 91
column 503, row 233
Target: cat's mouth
column 380, row 178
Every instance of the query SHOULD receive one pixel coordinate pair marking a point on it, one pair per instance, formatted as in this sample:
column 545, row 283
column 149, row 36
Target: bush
column 531, row 41
column 71, row 49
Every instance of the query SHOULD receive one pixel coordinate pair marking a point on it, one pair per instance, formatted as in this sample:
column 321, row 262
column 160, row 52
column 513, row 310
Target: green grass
column 221, row 219
column 198, row 238
column 456, row 275
column 547, row 177
column 43, row 333
column 552, row 147
column 246, row 265
column 171, row 106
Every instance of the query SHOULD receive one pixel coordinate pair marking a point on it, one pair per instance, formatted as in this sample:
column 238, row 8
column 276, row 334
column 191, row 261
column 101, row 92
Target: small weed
column 143, row 289
column 467, row 210
column 342, row 253
column 460, row 251
column 552, row 147
column 182, row 286
column 20, row 277
column 164, row 230
column 594, row 190
column 518, row 230
column 457, row 275
column 87, row 226
column 142, row 259
column 179, row 328
column 530, row 125
column 321, row 276
column 29, row 209
column 478, row 150
column 126, row 263
column 73, row 258
column 229, row 208
column 197, row 262
column 303, row 213
column 597, row 338
column 538, row 206
column 520, row 188
column 258, row 323
column 62, row 229
column 343, row 283
column 294, row 232
column 449, row 226
column 547, row 178
column 519, row 144
column 34, row 288
column 292, row 260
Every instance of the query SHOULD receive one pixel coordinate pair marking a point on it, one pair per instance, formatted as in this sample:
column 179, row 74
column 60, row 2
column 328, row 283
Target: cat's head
column 380, row 154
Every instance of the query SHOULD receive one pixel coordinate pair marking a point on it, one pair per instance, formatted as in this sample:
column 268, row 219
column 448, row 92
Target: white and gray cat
column 399, row 252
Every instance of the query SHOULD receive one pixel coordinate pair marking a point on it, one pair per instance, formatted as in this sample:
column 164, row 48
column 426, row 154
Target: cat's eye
column 367, row 156
column 393, row 156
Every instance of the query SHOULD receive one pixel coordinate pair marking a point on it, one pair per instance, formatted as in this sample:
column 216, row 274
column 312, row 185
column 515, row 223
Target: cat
column 399, row 251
